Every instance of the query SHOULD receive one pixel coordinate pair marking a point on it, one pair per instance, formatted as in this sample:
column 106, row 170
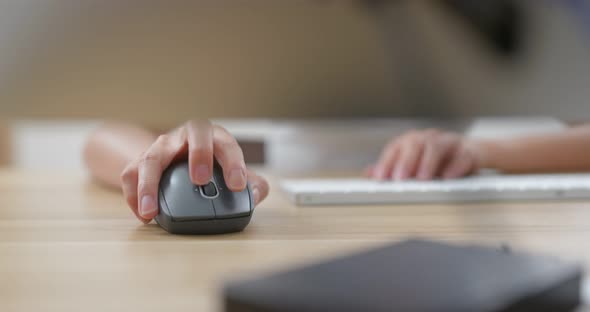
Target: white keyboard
column 476, row 188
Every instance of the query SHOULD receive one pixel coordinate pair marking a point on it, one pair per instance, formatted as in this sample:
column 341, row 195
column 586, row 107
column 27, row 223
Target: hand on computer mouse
column 201, row 142
column 427, row 154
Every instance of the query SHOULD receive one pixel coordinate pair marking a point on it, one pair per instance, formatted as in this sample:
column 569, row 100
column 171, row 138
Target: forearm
column 110, row 147
column 560, row 152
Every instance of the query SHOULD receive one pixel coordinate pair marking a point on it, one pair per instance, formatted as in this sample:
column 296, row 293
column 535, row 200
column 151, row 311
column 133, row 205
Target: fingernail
column 399, row 174
column 449, row 175
column 202, row 173
column 422, row 175
column 256, row 195
column 237, row 178
column 379, row 173
column 148, row 206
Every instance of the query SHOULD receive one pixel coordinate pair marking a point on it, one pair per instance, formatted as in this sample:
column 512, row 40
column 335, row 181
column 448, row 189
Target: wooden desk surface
column 68, row 245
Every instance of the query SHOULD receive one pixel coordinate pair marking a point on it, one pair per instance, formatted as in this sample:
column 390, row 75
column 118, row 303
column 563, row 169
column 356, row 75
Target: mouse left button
column 184, row 204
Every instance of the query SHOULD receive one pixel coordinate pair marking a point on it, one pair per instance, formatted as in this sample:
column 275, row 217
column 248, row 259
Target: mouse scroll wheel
column 209, row 189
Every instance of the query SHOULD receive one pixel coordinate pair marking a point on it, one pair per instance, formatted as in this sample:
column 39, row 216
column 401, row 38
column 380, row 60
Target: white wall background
column 49, row 144
column 291, row 146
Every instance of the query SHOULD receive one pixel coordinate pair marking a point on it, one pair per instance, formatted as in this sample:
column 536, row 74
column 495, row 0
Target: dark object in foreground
column 209, row 209
column 416, row 276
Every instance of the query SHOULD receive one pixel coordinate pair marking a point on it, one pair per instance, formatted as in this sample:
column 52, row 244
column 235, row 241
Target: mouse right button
column 230, row 204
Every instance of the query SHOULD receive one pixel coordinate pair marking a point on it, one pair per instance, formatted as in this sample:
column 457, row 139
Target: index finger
column 200, row 151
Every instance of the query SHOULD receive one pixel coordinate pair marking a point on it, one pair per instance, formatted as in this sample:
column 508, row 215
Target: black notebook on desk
column 416, row 276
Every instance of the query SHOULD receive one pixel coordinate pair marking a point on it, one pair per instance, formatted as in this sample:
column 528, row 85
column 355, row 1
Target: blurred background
column 295, row 81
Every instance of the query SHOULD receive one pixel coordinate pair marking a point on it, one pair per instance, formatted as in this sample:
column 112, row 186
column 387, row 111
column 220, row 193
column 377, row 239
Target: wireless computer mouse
column 186, row 208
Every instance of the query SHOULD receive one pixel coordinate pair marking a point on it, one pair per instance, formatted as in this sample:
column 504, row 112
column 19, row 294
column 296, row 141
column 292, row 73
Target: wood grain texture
column 68, row 245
